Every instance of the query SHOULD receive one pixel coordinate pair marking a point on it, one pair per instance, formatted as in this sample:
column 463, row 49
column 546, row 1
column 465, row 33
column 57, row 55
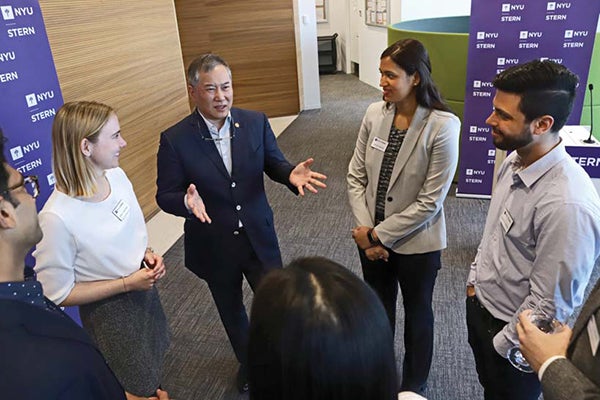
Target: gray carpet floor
column 200, row 363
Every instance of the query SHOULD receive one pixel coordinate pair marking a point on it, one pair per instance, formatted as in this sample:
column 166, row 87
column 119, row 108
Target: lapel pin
column 236, row 125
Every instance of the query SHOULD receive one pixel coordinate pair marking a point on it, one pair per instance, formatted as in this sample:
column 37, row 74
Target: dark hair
column 412, row 56
column 317, row 331
column 4, row 176
column 545, row 88
column 204, row 63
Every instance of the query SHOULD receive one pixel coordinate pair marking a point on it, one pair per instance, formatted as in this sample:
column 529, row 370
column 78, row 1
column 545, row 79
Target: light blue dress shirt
column 541, row 239
column 222, row 139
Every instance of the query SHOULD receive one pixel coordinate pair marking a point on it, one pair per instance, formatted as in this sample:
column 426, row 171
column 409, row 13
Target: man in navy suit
column 212, row 163
column 44, row 354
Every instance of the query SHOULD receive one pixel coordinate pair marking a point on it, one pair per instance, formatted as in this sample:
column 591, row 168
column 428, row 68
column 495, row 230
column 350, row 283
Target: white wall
column 419, row 9
column 373, row 41
column 306, row 54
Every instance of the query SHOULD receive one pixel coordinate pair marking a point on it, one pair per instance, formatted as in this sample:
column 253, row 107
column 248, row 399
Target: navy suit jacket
column 185, row 157
column 45, row 355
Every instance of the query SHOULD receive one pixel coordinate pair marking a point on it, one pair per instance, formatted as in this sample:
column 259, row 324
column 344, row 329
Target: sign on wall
column 503, row 34
column 377, row 12
column 321, row 9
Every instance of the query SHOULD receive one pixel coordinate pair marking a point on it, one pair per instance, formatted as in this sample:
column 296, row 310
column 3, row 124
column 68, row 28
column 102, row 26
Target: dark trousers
column 416, row 274
column 227, row 293
column 500, row 380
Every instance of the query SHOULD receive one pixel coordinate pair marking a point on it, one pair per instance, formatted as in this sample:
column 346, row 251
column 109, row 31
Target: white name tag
column 121, row 210
column 506, row 221
column 379, row 144
column 592, row 330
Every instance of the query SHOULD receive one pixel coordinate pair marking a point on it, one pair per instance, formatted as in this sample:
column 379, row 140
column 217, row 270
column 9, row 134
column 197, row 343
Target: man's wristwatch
column 372, row 240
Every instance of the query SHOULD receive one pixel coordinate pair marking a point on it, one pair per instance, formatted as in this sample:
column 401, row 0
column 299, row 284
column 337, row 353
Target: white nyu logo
column 473, row 129
column 569, row 33
column 51, row 179
column 492, row 153
column 31, row 100
column 506, row 7
column 523, row 35
column 7, row 12
column 551, row 6
column 469, row 171
column 501, row 60
column 480, row 35
column 476, row 84
column 16, row 153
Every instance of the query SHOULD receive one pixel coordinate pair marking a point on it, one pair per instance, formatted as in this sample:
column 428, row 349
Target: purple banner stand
column 503, row 34
column 30, row 95
column 30, row 91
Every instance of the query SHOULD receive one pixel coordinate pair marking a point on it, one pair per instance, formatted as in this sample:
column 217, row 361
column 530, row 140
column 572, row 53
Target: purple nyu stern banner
column 30, row 95
column 504, row 33
column 30, row 92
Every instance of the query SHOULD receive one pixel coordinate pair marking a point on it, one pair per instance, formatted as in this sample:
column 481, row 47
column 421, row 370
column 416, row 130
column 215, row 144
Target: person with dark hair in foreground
column 402, row 168
column 567, row 362
column 44, row 354
column 542, row 233
column 318, row 332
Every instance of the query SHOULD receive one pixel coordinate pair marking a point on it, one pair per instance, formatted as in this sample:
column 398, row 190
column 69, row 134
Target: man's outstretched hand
column 303, row 177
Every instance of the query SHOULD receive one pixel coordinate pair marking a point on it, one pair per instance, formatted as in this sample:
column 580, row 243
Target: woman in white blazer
column 398, row 178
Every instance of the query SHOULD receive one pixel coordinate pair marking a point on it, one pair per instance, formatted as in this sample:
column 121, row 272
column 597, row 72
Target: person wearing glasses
column 30, row 183
column 45, row 354
column 220, row 153
column 94, row 243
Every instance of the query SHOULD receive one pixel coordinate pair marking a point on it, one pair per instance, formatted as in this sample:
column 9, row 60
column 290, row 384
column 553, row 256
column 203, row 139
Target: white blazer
column 414, row 214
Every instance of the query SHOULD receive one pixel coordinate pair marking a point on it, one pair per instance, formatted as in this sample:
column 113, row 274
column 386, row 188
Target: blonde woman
column 94, row 252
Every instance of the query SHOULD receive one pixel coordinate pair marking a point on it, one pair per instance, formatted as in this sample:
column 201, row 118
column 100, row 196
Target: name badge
column 379, row 144
column 121, row 210
column 592, row 330
column 506, row 221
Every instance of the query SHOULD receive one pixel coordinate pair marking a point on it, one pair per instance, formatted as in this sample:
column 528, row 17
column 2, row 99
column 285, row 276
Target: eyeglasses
column 30, row 183
column 232, row 126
